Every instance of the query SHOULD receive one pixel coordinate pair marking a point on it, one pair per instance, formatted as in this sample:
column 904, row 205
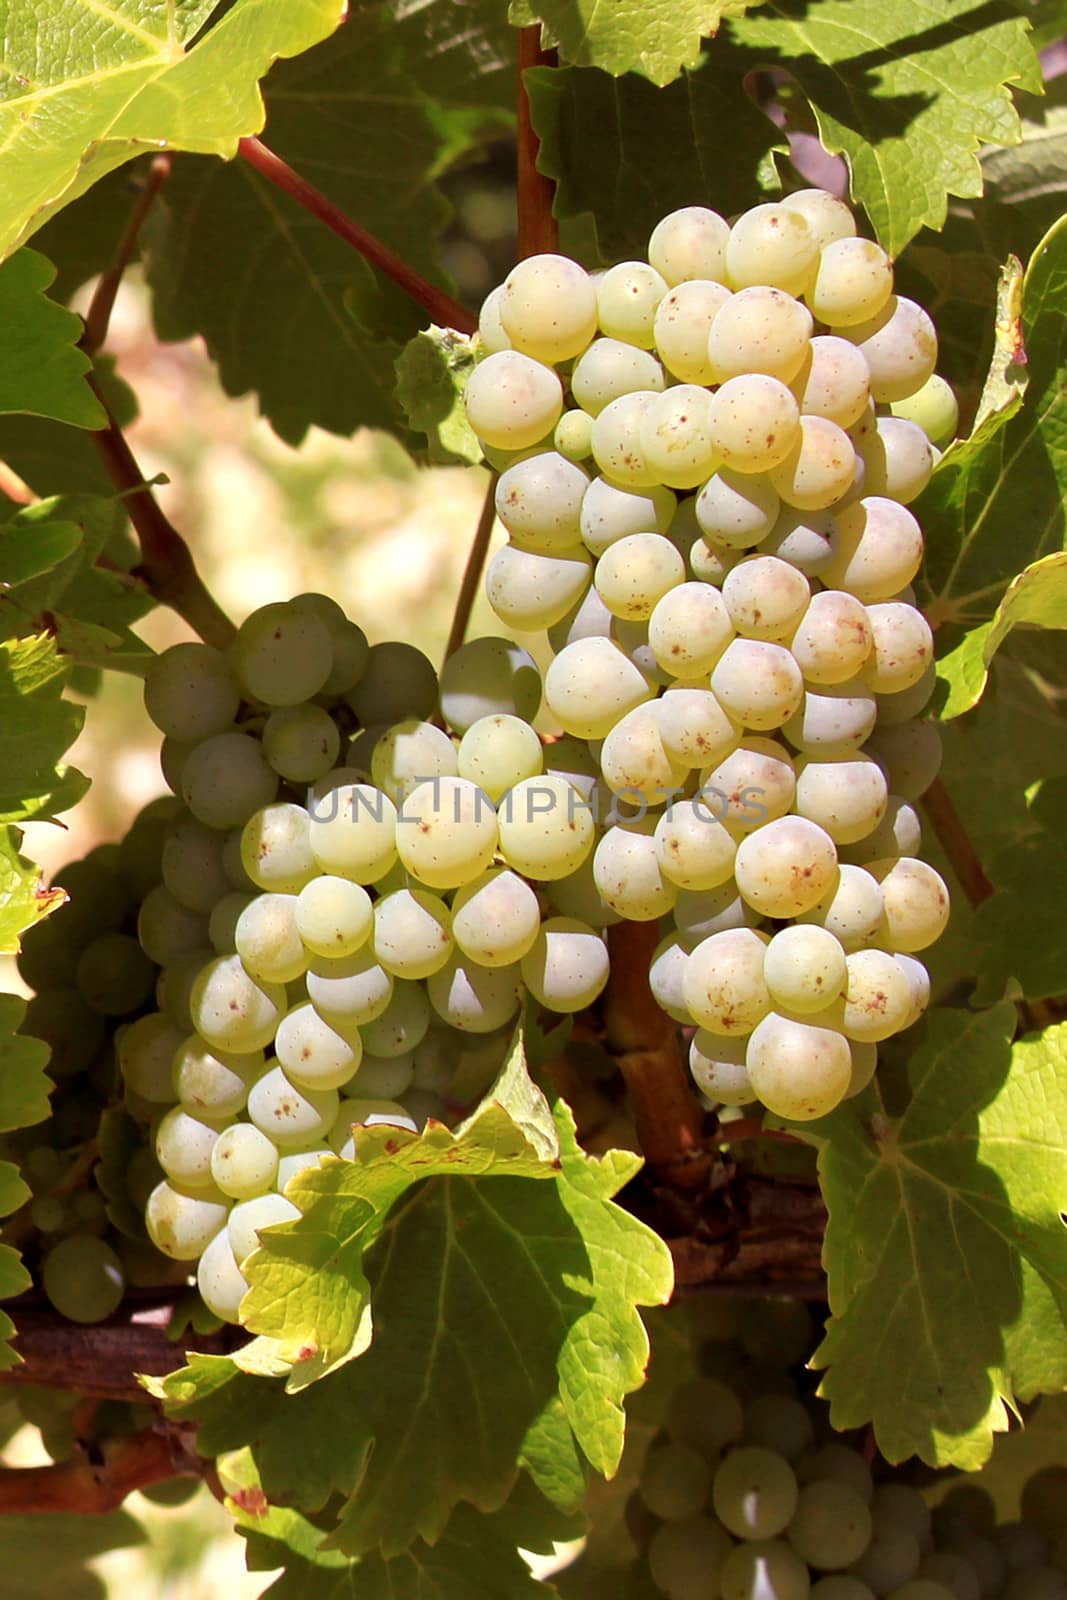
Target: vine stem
column 98, row 316
column 442, row 308
column 472, row 572
column 87, row 1486
column 538, row 229
column 956, row 843
column 99, row 1360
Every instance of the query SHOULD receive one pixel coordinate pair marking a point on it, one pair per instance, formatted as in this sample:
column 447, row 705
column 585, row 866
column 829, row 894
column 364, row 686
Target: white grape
column 831, row 1526
column 246, row 1219
column 487, row 676
column 765, row 597
column 512, row 401
column 758, row 683
column 474, row 998
column 675, row 1480
column 693, row 726
column 771, row 244
column 764, row 1569
column 627, row 297
column 676, row 438
column 610, row 512
column 397, row 681
column 717, row 1065
column 573, row 437
column 909, row 755
column 637, row 571
column 182, row 1225
column 778, row 1422
column 244, row 1161
column 350, row 991
column 183, row 1146
column 852, row 283
column 408, row 753
column 219, row 1279
column 695, row 850
column 191, row 864
column 548, row 307
column 609, row 369
column 634, row 761
column 852, row 910
column 385, row 1077
column 402, row 1025
column 737, row 509
column 268, row 940
column 282, row 655
column 903, row 647
column 919, row 980
column 689, row 243
column 833, row 638
column 628, row 873
column 191, row 691
column 491, row 330
column 915, row 901
column 864, row 1057
column 698, row 913
column 833, row 720
column 234, row 1011
column 798, row 1069
column 878, row 998
column 589, row 619
column 905, row 704
column 898, row 457
column 689, row 628
column 754, row 784
column 754, row 1492
column 412, row 933
column 591, row 684
column 227, row 778
column 846, row 795
column 567, row 966
column 804, row 968
column 899, row 344
column 446, row 832
column 546, row 828
column 759, row 329
column 213, row 1084
column 498, row 752
column 898, row 834
column 803, row 538
column 934, row 408
column 301, row 742
column 529, row 591
column 785, row 867
column 834, row 381
column 353, row 827
column 724, row 988
column 577, row 896
column 333, row 916
column 289, row 1115
column 495, row 919
column 828, row 217
column 666, row 976
column 877, row 549
column 709, row 561
column 754, row 421
column 820, row 467
column 684, row 319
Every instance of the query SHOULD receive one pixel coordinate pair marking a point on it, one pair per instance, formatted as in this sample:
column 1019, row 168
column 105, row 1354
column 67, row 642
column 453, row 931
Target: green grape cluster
column 706, row 463
column 747, row 1494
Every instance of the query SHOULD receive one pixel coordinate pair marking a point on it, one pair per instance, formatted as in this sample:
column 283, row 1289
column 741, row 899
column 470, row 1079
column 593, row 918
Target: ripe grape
column 689, row 243
column 754, row 1492
column 627, row 296
column 771, row 244
column 548, row 307
column 512, row 401
column 804, row 968
column 785, row 868
column 765, row 597
column 608, row 369
column 191, row 692
column 797, row 1069
column 567, row 965
column 530, row 591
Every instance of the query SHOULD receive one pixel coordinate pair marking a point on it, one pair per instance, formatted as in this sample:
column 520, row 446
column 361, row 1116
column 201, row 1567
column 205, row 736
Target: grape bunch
column 706, row 461
column 747, row 1494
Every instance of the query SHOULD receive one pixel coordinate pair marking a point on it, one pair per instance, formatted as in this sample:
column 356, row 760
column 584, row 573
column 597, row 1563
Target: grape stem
column 98, row 316
column 84, row 1485
column 472, row 572
column 441, row 307
column 760, row 1234
column 956, row 843
column 647, row 1047
column 538, row 229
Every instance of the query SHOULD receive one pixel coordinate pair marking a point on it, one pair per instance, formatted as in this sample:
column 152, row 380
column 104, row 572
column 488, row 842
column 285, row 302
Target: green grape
column 566, row 968
column 699, row 914
column 590, row 685
column 852, row 911
column 48, row 1213
column 146, row 1050
column 301, row 742
column 804, row 968
column 401, row 1024
column 528, row 591
column 778, row 1422
column 352, row 828
column 909, row 755
column 398, row 681
column 675, row 1480
column 891, row 1558
column 539, row 499
column 50, row 950
column 234, row 1011
column 489, row 677
column 915, row 902
column 757, row 682
column 611, row 511
column 754, row 1493
column 181, row 1225
column 498, row 752
column 934, row 408
column 666, row 975
column 684, row 320
column 334, row 916
column 412, row 935
column 190, row 692
column 474, row 998
column 292, row 1163
column 797, row 1070
column 675, row 436
column 495, row 918
column 897, row 456
column 446, row 832
column 289, row 1115
column 841, row 1586
column 219, row 1279
column 704, row 1414
column 383, row 1077
column 167, row 930
column 244, row 1162
column 546, row 829
column 724, row 987
column 899, row 344
column 836, row 1463
column 349, row 992
column 831, row 1526
column 42, row 1166
column 833, row 381
column 277, row 844
column 226, row 779
column 786, row 867
column 409, row 753
column 686, row 1557
column 718, row 1068
column 73, row 1031
column 764, row 1569
column 945, row 1567
column 268, row 940
column 82, row 1277
column 1021, row 1544
column 247, row 1217
column 635, row 763
column 191, row 864
column 605, row 371
column 183, row 1148
column 88, row 1209
column 213, row 1084
column 314, row 1054
column 627, row 296
column 772, row 244
column 512, row 401
column 142, row 1174
column 573, row 437
column 876, row 549
column 764, row 597
column 689, row 243
column 1043, row 1499
column 852, row 284
column 283, row 654
column 222, row 923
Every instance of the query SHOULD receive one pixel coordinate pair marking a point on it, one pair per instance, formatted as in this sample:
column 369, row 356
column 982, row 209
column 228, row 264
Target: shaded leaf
column 36, row 727
column 42, row 371
column 431, row 375
column 24, row 1083
column 657, row 38
column 14, row 1279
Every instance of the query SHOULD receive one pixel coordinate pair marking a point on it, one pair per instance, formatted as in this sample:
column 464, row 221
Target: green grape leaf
column 33, row 545
column 658, row 40
column 1018, row 930
column 57, row 459
column 624, row 153
column 294, row 313
column 22, row 899
column 431, row 375
column 1032, row 176
column 81, row 99
column 14, row 1279
column 46, row 1555
column 945, row 1239
column 906, row 93
column 36, row 727
column 42, row 371
column 24, row 1082
column 996, row 502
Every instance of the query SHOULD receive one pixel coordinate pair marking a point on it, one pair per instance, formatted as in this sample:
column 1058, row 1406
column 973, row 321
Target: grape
column 222, row 930
column 694, row 849
column 244, row 1161
column 627, row 296
column 474, row 998
column 831, row 1526
column 906, row 704
column 627, row 872
column 737, row 509
column 634, row 762
column 48, row 1213
column 220, row 1280
column 899, row 345
column 350, row 648
column 609, row 369
column 316, row 1055
column 700, row 913
column 495, row 919
column 190, row 692
column 546, row 828
column 820, row 467
column 921, row 1589
column 898, row 457
column 705, row 1414
column 349, row 992
column 610, row 512
column 899, row 1505
column 637, row 571
column 114, row 975
column 384, row 1077
column 827, row 217
column 401, row 1025
column 771, row 244
column 724, row 987
column 145, row 1051
column 693, row 726
column 181, row 1225
column 82, row 1276
column 689, row 628
column 548, row 307
column 778, row 1422
column 213, row 1084
column 765, row 597
column 282, row 655
column 864, row 1066
column 877, row 548
column 289, row 1115
column 841, row 1586
column 785, row 868
column 851, row 910
column 689, row 243
column 333, row 916
column 891, row 1558
column 915, row 902
column 174, row 986
column 616, row 440
column 878, row 997
column 498, row 752
column 846, row 795
column 947, row 1568
column 359, row 1113
column 758, row 683
column 488, row 677
column 167, row 930
column 718, row 1068
column 268, row 940
column 753, row 422
column 276, row 844
column 353, row 828
column 666, row 974
column 412, row 933
column 903, row 647
column 577, row 896
column 803, row 538
column 232, row 864
column 397, row 681
column 234, row 1011
column 675, row 440
column 804, row 968
column 684, row 319
column 301, row 742
column 530, row 591
column 539, row 501
column 512, row 401
column 183, row 1148
column 764, row 1569
column 853, row 282
column 753, row 784
column 567, row 966
column 933, row 407
column 191, row 864
column 833, row 639
column 909, row 755
column 833, row 382
column 246, row 1219
column 446, row 832
column 833, row 720
column 754, row 1493
column 798, row 1070
column 490, row 328
column 674, row 1482
column 685, row 1557
column 573, row 437
column 760, row 329
column 589, row 619
column 590, row 685
column 291, row 1164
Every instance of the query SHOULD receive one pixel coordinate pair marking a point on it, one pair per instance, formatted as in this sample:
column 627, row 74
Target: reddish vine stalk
column 87, row 1486
column 956, row 843
column 472, row 572
column 537, row 226
column 98, row 316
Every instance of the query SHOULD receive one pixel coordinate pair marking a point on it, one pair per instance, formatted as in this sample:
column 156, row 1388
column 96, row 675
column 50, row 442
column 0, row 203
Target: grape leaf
column 49, row 1555
column 1019, row 930
column 658, row 40
column 947, row 1219
column 36, row 726
column 22, row 899
column 83, row 93
column 55, row 458
column 996, row 501
column 431, row 375
column 624, row 153
column 1031, row 177
column 31, row 545
column 907, row 93
column 297, row 315
column 14, row 1279
column 42, row 371
column 24, row 1083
